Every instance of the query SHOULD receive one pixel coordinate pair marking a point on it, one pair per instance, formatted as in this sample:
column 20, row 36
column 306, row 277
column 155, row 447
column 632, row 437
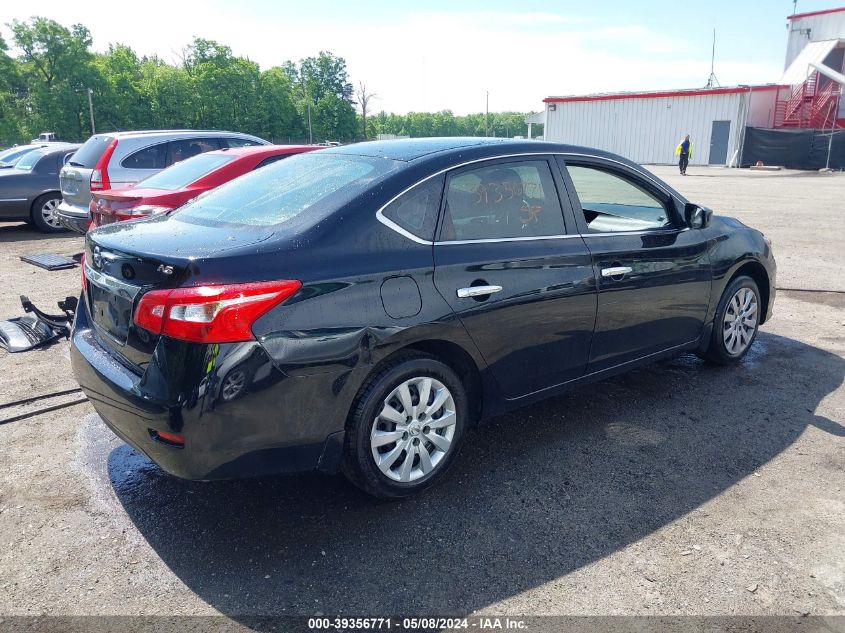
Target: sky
column 449, row 54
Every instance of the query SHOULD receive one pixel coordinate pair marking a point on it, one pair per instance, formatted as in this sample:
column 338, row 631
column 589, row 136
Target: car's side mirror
column 697, row 217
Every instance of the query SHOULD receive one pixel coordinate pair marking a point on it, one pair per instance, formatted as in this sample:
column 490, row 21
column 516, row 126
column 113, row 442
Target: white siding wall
column 761, row 112
column 828, row 26
column 647, row 130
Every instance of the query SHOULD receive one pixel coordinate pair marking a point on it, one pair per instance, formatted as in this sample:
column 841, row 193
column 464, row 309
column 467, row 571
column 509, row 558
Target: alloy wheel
column 233, row 384
column 413, row 432
column 48, row 212
column 740, row 322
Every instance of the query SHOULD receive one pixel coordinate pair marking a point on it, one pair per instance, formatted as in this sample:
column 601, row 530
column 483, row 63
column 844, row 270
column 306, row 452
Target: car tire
column 390, row 450
column 43, row 213
column 736, row 322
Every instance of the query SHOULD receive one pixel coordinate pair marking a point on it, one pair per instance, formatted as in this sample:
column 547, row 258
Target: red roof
column 798, row 16
column 659, row 94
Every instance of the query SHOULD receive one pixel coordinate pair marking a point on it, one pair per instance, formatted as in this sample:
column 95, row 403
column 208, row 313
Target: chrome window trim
column 496, row 240
column 107, row 282
column 664, row 231
column 415, row 238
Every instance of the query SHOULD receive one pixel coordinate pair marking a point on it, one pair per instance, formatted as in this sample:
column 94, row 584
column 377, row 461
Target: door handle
column 477, row 291
column 616, row 271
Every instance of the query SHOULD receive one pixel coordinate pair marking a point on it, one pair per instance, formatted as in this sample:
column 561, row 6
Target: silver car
column 121, row 159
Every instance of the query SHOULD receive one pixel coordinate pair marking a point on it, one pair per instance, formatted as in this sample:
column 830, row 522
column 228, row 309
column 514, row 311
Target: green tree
column 11, row 88
column 279, row 119
column 227, row 87
column 322, row 84
column 119, row 99
column 169, row 92
column 56, row 67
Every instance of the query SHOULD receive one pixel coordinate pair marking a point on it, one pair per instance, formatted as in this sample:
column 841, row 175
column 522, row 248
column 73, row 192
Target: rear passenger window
column 271, row 159
column 153, row 157
column 239, row 142
column 416, row 210
column 189, row 147
column 506, row 200
column 613, row 204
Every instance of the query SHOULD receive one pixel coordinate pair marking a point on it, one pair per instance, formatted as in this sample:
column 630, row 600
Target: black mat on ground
column 49, row 261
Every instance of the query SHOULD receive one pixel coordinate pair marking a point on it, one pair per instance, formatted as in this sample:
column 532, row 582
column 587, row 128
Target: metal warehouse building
column 647, row 126
column 798, row 121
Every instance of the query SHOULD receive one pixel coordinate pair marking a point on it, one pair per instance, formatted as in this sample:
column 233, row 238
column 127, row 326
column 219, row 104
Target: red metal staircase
column 812, row 104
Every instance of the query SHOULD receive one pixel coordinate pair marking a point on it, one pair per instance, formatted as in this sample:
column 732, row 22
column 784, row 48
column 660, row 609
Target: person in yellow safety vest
column 684, row 150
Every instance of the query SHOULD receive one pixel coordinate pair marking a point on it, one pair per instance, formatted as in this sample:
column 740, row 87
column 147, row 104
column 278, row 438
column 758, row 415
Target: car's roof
column 56, row 148
column 412, row 148
column 147, row 133
column 417, row 148
column 264, row 150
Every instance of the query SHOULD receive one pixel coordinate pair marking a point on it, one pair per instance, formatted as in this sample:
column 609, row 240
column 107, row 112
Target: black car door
column 653, row 272
column 522, row 287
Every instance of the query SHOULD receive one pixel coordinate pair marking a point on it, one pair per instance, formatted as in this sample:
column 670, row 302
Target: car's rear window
column 90, row 152
column 14, row 154
column 184, row 173
column 280, row 192
column 28, row 160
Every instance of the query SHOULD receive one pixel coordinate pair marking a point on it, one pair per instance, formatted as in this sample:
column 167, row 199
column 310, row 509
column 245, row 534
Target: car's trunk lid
column 75, row 184
column 122, row 264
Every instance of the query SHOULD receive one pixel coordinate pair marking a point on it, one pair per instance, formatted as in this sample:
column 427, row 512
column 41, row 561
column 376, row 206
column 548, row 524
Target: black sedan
column 358, row 308
column 29, row 190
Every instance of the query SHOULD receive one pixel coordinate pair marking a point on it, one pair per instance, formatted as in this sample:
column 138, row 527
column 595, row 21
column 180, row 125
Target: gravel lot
column 677, row 489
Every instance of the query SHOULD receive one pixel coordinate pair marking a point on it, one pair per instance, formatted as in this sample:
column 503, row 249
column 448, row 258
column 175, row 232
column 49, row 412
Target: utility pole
column 832, row 130
column 310, row 135
column 486, row 114
column 91, row 111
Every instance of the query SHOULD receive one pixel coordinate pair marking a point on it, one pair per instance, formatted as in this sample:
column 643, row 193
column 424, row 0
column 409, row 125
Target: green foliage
column 44, row 87
column 444, row 123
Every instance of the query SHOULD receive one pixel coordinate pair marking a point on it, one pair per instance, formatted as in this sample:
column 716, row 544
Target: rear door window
column 502, row 201
column 152, row 157
column 272, row 159
column 233, row 141
column 190, row 147
column 90, row 152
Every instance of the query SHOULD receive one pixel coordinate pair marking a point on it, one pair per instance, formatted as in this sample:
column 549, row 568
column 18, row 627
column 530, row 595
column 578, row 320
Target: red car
column 176, row 185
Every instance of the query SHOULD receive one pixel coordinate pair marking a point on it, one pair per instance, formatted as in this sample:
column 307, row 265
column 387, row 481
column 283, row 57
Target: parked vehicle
column 121, row 159
column 174, row 186
column 379, row 298
column 30, row 189
column 46, row 137
column 9, row 157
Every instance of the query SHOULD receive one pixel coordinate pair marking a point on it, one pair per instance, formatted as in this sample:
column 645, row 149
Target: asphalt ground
column 678, row 489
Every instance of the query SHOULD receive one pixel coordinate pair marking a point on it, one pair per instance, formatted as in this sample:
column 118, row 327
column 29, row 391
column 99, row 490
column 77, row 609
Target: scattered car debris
column 36, row 328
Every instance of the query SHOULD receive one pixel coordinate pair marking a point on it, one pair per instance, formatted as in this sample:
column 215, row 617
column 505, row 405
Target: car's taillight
column 100, row 175
column 211, row 314
column 141, row 211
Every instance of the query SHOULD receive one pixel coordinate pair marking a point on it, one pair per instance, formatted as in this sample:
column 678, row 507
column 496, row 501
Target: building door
column 719, row 142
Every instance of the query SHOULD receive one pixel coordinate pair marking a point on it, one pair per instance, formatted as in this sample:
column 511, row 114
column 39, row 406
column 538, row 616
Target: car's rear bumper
column 73, row 217
column 275, row 426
